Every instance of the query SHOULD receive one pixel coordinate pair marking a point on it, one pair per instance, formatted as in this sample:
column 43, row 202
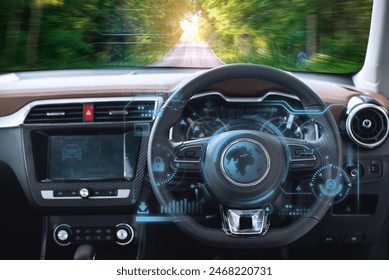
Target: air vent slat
column 41, row 120
column 48, row 112
column 38, row 109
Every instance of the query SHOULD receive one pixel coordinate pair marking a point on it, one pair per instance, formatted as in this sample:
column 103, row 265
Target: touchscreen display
column 92, row 157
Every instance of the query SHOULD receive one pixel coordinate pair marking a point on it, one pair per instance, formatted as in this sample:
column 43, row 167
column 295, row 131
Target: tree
column 34, row 29
column 12, row 30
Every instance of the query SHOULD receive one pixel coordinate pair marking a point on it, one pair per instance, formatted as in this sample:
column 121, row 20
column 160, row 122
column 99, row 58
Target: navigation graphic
column 71, row 151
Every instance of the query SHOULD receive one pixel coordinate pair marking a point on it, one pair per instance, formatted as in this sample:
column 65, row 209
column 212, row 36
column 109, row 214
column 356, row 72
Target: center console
column 85, row 166
column 86, row 159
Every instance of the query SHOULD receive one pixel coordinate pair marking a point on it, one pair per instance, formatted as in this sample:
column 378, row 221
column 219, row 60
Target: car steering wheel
column 245, row 200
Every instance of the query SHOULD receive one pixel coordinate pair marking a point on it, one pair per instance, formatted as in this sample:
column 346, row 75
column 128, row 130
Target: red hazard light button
column 88, row 113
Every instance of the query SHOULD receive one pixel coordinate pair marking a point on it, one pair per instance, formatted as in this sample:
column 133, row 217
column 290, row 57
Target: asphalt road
column 189, row 54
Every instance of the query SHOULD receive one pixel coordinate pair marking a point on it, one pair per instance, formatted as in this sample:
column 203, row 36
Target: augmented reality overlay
column 243, row 139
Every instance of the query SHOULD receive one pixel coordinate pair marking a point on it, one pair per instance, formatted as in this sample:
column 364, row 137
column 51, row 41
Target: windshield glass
column 315, row 36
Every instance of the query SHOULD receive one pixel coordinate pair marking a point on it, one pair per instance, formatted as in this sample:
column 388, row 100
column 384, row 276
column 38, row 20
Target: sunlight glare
column 190, row 26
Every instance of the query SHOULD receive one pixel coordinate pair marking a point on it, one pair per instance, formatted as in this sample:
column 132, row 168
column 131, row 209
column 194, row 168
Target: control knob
column 124, row 234
column 84, row 193
column 63, row 235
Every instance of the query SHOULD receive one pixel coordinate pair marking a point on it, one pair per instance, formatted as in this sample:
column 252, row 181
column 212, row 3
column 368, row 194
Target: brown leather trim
column 10, row 103
column 331, row 93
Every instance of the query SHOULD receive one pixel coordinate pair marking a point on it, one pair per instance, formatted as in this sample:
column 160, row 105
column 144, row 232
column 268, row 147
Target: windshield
column 315, row 36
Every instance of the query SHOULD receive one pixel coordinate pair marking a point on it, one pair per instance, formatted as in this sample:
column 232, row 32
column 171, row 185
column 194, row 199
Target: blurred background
column 316, row 35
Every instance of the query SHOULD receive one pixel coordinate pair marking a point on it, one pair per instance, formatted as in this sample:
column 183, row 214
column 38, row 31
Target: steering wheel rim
column 172, row 110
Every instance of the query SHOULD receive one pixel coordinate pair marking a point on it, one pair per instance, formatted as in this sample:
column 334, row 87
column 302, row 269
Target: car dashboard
column 75, row 146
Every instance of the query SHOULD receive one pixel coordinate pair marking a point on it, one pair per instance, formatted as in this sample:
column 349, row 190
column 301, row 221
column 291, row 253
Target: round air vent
column 367, row 125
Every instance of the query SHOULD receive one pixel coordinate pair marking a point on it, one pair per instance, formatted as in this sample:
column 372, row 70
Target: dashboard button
column 88, row 112
column 374, row 168
column 65, row 193
column 108, row 237
column 330, row 239
column 87, row 238
column 192, row 154
column 303, row 165
column 298, row 152
column 108, row 193
column 59, row 193
column 355, row 238
column 189, row 154
column 96, row 193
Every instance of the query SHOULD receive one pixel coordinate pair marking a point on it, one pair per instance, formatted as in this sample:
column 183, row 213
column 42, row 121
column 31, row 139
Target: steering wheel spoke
column 245, row 222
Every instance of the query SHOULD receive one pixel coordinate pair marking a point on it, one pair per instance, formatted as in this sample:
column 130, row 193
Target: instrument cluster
column 276, row 113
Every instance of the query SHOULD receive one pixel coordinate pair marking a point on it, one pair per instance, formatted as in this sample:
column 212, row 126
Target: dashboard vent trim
column 367, row 125
column 106, row 110
column 55, row 113
column 119, row 111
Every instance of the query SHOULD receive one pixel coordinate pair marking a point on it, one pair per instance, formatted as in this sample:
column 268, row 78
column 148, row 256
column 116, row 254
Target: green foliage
column 274, row 32
column 106, row 33
column 67, row 48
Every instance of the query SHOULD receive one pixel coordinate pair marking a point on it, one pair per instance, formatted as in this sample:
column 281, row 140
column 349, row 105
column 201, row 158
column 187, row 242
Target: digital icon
column 158, row 165
column 162, row 171
column 330, row 181
column 143, row 209
column 293, row 210
column 331, row 187
column 181, row 206
column 71, row 151
column 268, row 208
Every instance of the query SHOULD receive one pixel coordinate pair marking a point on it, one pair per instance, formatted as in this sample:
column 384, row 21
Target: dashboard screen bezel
column 43, row 166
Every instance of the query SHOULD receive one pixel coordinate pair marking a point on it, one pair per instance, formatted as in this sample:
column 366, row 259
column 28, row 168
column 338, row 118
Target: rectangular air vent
column 119, row 111
column 104, row 111
column 55, row 113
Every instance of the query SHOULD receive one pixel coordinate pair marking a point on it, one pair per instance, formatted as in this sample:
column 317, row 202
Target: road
column 189, row 54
